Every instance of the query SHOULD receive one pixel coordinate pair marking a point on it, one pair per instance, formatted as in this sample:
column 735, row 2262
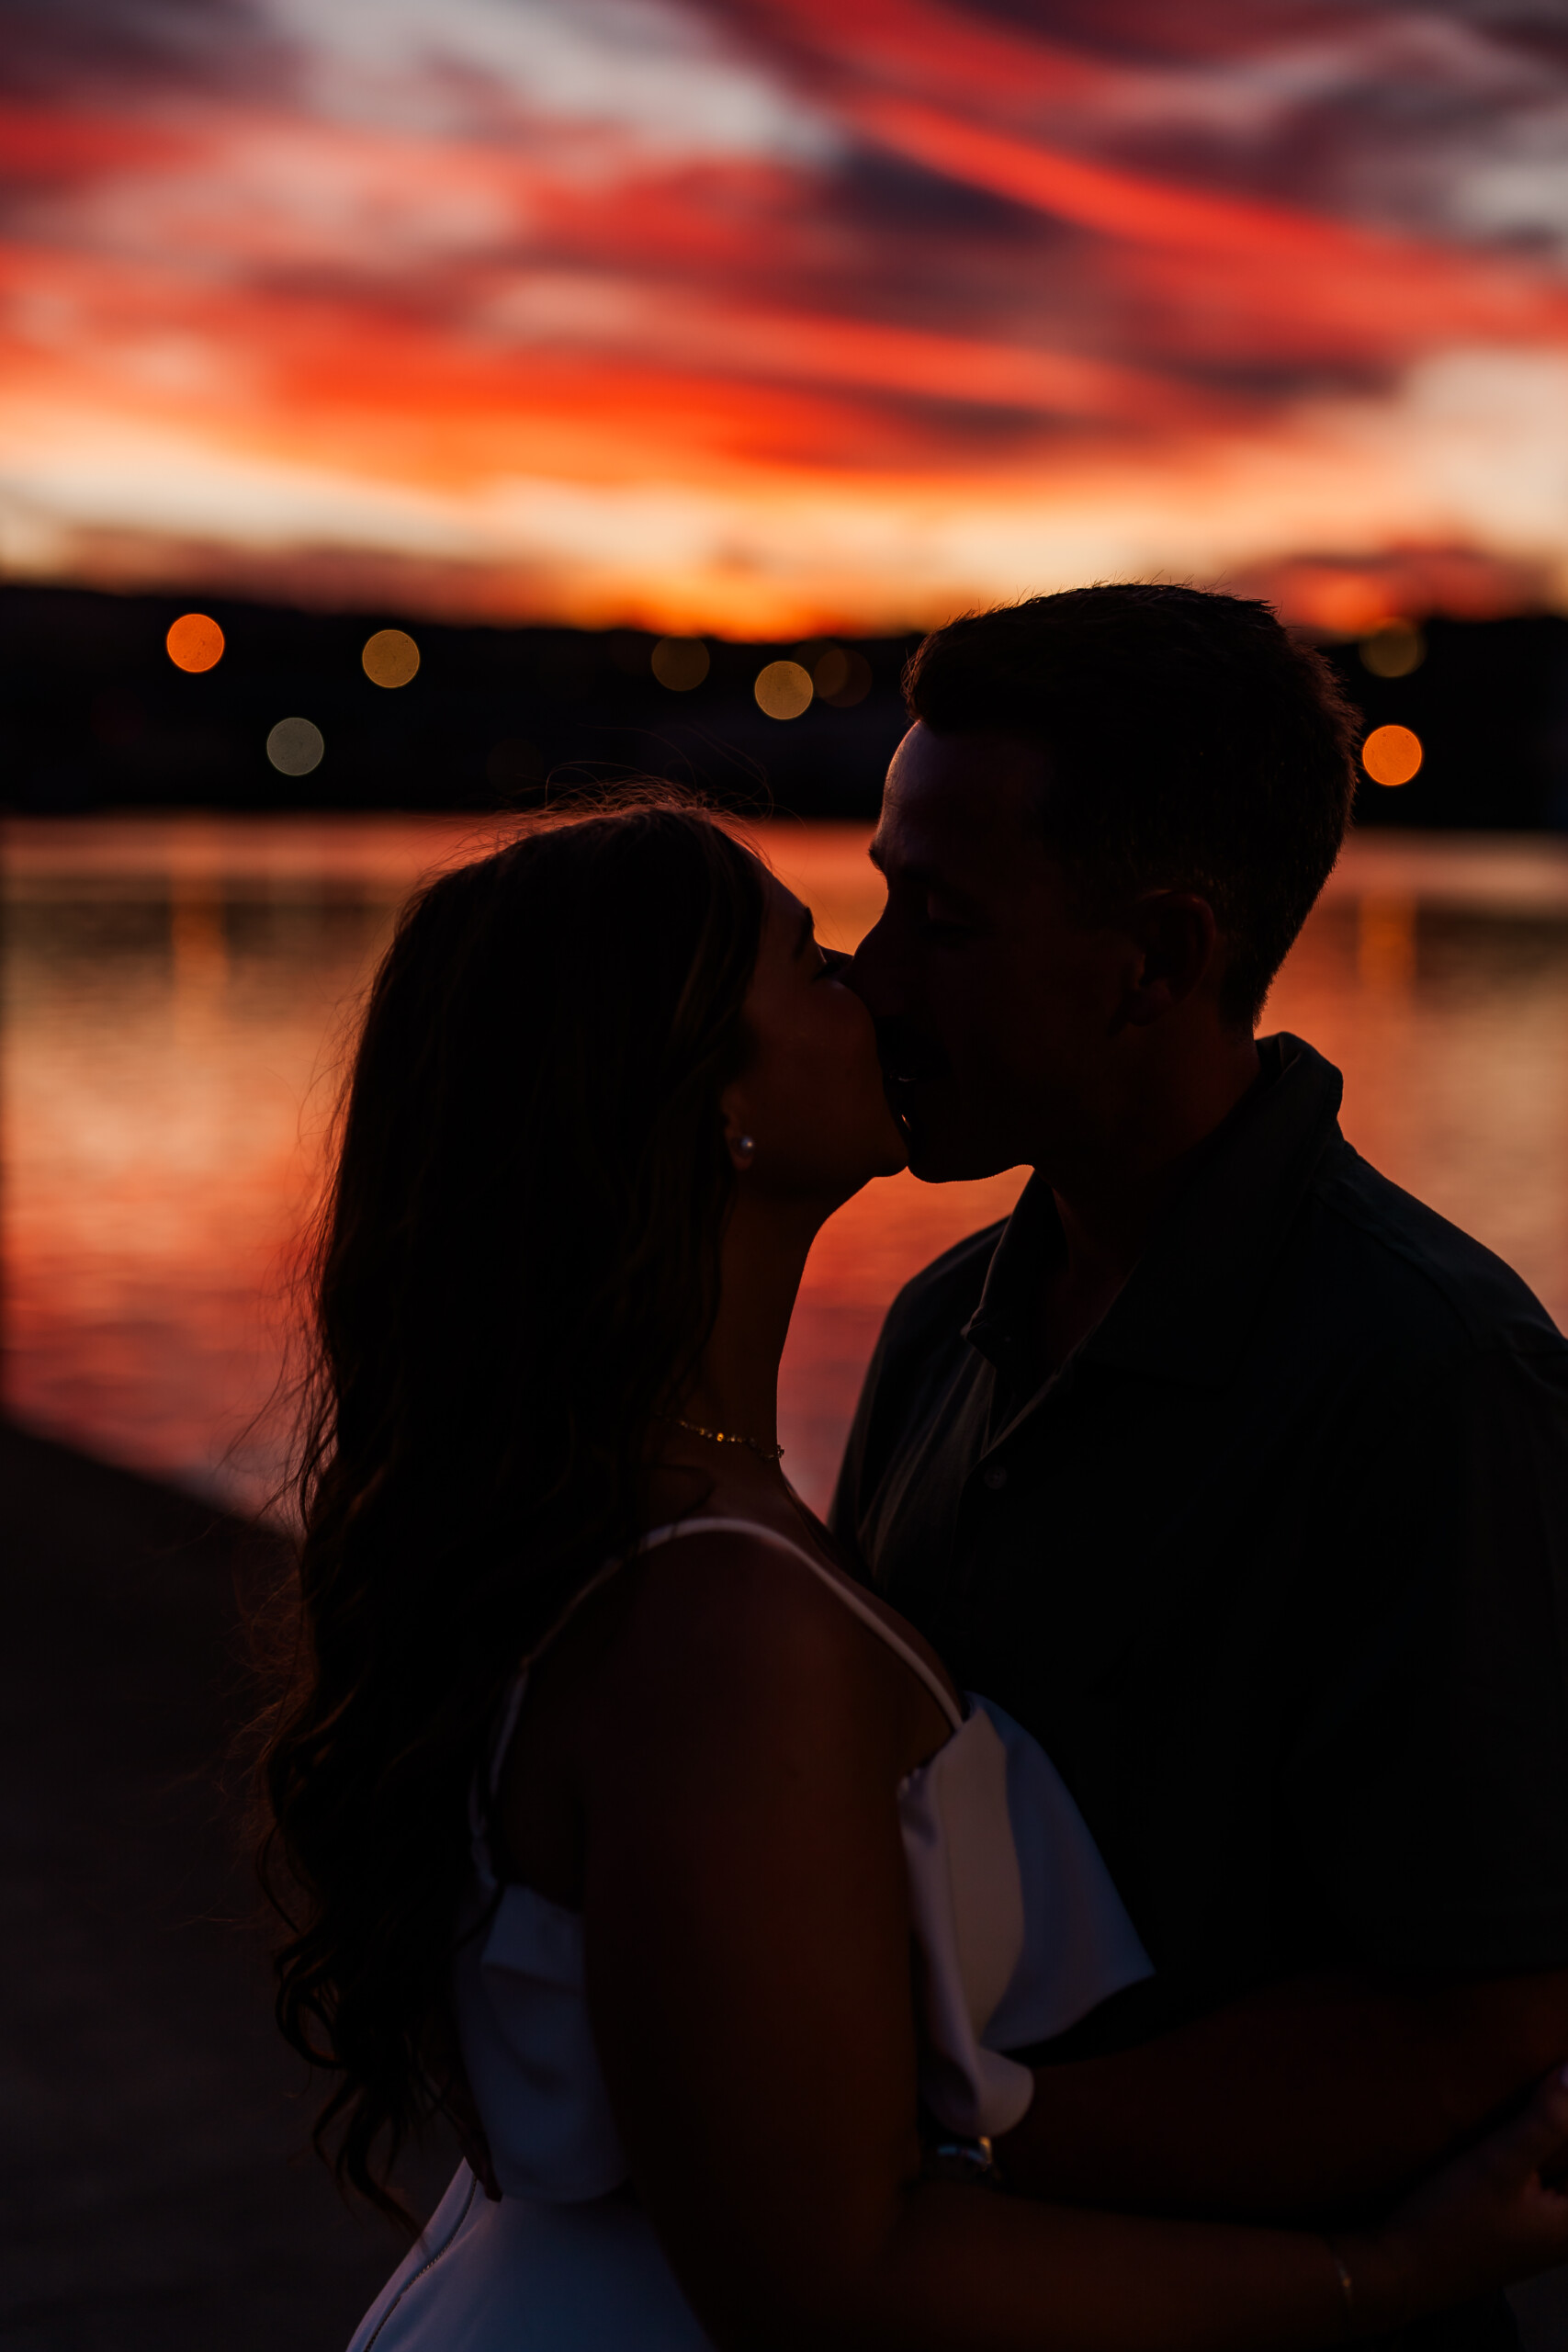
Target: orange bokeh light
column 1392, row 755
column 681, row 664
column 841, row 678
column 195, row 642
column 1393, row 649
column 390, row 658
column 784, row 689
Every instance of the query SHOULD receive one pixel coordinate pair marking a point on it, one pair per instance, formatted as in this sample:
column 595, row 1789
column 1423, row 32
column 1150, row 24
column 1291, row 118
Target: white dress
column 1019, row 1933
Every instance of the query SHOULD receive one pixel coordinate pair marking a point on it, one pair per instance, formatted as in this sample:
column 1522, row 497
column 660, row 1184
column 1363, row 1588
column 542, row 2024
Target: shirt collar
column 1186, row 1308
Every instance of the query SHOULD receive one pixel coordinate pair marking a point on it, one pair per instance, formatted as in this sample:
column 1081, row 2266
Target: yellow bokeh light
column 783, row 690
column 1393, row 649
column 391, row 656
column 680, row 663
column 195, row 642
column 1392, row 755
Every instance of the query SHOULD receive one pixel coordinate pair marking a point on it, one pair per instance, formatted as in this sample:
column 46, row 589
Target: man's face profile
column 993, row 1002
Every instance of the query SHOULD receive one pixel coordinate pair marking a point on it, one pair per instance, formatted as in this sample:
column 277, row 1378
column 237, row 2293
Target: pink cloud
column 856, row 311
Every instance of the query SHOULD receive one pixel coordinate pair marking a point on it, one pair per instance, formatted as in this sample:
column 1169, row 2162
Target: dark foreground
column 153, row 2195
column 155, row 2191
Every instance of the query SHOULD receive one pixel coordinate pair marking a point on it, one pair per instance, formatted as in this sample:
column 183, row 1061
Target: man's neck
column 1110, row 1198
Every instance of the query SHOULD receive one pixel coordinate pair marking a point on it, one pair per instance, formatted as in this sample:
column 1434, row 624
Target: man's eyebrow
column 908, row 869
column 924, row 877
column 913, row 874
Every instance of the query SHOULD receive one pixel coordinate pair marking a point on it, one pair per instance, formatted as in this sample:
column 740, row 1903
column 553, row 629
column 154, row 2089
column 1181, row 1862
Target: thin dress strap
column 852, row 1601
column 511, row 1704
column 516, row 1690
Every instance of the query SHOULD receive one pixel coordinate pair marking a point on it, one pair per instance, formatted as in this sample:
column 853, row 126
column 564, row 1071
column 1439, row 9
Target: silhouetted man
column 1237, row 1475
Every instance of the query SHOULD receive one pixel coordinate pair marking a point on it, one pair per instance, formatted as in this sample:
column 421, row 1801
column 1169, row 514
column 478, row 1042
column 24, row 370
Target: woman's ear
column 738, row 1141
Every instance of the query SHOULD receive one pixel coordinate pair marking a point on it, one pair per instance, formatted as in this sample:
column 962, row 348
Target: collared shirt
column 1275, row 1565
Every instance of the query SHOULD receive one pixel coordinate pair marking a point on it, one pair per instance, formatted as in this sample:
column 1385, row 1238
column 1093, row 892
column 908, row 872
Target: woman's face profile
column 811, row 1095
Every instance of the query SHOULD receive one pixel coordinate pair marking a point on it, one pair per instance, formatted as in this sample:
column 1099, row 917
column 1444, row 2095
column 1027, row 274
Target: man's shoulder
column 940, row 1299
column 1415, row 1276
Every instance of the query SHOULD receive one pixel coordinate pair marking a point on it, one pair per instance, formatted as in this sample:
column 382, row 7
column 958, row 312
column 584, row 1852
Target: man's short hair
column 1190, row 744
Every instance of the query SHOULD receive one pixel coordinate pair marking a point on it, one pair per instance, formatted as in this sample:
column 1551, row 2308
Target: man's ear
column 1178, row 940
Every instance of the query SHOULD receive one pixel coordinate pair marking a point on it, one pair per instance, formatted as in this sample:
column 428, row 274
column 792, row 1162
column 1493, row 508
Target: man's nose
column 870, row 972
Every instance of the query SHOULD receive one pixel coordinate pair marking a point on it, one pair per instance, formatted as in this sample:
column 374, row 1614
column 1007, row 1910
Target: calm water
column 178, row 995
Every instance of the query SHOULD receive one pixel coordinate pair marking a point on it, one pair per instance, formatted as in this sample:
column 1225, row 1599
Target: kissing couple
column 1107, row 1890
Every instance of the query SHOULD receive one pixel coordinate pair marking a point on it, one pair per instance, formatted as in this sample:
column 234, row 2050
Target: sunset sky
column 763, row 316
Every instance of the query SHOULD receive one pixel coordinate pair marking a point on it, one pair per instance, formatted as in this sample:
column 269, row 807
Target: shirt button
column 994, row 1477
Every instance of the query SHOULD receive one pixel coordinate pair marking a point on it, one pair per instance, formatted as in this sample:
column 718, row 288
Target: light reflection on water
column 178, row 995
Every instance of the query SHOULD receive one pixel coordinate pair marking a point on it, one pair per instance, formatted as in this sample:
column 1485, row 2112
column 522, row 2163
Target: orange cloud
column 835, row 316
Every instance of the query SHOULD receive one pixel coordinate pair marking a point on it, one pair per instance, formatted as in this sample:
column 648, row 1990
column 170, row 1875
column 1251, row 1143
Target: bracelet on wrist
column 952, row 2158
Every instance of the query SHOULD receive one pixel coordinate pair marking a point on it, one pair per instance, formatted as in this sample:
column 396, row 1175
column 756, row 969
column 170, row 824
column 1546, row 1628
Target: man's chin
column 942, row 1153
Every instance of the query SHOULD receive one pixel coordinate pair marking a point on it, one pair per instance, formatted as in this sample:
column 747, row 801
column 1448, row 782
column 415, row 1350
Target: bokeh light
column 391, row 656
column 1392, row 755
column 783, row 690
column 841, row 676
column 295, row 747
column 195, row 642
column 1393, row 649
column 681, row 664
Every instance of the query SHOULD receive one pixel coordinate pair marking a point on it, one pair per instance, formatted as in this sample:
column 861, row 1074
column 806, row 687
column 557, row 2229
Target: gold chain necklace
column 731, row 1437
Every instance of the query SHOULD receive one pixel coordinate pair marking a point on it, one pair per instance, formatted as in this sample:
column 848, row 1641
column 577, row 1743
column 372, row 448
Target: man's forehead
column 958, row 799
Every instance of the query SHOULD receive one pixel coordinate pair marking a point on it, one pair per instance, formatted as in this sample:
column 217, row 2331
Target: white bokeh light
column 295, row 746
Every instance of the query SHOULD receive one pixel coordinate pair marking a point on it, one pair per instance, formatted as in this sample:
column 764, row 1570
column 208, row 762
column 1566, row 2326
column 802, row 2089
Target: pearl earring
column 745, row 1151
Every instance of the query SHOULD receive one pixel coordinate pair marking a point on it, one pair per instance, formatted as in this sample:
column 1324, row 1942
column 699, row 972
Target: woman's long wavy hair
column 516, row 1268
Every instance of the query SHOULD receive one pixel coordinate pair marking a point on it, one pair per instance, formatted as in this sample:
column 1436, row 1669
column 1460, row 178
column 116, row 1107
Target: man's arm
column 1324, row 2094
column 1424, row 1801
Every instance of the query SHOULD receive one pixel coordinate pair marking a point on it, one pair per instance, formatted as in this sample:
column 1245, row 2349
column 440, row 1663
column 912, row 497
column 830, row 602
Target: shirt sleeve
column 1428, row 1791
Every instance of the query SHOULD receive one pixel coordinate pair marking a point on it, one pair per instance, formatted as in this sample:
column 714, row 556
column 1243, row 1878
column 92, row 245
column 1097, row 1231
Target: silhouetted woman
column 608, row 1809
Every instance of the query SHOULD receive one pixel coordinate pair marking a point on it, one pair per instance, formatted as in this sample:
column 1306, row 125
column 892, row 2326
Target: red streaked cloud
column 785, row 313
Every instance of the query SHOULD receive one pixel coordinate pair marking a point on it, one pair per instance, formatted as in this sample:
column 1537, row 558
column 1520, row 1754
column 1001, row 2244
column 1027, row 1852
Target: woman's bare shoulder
column 713, row 1672
column 734, row 1588
column 733, row 1624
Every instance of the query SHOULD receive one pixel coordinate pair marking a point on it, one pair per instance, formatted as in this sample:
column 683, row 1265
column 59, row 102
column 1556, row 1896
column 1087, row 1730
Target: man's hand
column 1325, row 2095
